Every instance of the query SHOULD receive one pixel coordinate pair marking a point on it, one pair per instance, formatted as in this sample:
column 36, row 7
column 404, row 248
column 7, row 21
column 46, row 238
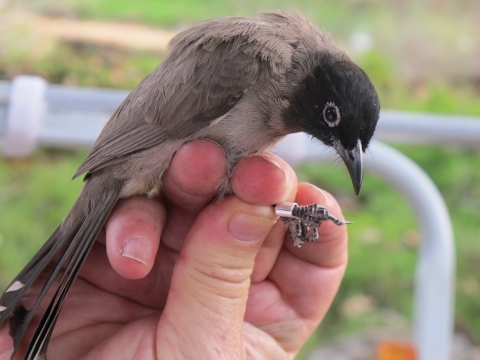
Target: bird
column 243, row 83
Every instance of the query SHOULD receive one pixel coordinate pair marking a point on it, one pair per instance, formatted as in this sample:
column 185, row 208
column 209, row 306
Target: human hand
column 224, row 282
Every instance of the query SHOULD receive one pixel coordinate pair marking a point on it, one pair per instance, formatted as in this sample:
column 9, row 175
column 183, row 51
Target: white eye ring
column 331, row 114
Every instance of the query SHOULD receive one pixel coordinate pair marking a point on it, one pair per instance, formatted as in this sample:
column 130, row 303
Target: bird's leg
column 302, row 221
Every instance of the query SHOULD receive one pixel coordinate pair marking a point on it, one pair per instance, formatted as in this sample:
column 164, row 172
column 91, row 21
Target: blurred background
column 422, row 56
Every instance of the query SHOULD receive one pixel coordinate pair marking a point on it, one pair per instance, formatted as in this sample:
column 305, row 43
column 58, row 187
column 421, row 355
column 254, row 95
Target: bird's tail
column 57, row 263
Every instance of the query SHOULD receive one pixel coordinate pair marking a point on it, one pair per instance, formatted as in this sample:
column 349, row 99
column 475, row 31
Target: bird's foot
column 302, row 221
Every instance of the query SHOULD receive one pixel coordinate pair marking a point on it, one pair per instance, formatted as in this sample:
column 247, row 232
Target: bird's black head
column 337, row 104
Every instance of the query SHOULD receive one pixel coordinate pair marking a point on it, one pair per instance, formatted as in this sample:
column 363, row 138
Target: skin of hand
column 224, row 282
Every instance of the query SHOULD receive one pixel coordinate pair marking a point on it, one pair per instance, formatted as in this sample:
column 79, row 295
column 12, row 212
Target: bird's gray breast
column 253, row 125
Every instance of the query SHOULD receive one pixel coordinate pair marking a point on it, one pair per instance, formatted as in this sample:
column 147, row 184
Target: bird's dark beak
column 353, row 161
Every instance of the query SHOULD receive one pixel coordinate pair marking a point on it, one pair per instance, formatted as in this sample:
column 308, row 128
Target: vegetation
column 414, row 64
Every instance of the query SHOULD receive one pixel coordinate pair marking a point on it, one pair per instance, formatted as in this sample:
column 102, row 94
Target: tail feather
column 22, row 282
column 65, row 251
column 83, row 240
column 20, row 324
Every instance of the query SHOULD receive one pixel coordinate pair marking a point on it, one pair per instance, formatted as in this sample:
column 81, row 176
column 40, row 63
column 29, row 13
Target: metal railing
column 33, row 112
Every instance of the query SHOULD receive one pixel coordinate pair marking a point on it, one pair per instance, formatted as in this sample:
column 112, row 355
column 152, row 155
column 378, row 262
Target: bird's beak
column 353, row 161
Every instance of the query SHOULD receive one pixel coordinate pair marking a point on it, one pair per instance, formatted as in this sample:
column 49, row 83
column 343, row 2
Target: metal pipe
column 75, row 117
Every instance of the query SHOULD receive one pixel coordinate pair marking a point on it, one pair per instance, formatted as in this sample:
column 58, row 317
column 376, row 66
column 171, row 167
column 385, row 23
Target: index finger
column 308, row 277
column 303, row 282
column 189, row 184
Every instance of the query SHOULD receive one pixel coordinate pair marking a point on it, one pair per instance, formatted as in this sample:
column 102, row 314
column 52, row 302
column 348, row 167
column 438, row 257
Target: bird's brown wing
column 206, row 72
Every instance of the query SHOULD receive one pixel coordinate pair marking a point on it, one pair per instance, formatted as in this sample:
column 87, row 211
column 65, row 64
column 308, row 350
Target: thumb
column 206, row 304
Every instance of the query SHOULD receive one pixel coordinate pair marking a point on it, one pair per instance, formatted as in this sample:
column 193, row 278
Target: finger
column 194, row 174
column 210, row 283
column 189, row 184
column 265, row 179
column 136, row 225
column 268, row 253
column 133, row 233
column 306, row 279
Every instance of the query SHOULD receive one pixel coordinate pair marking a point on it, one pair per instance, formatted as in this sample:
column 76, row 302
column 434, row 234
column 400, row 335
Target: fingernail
column 136, row 249
column 272, row 161
column 326, row 198
column 249, row 228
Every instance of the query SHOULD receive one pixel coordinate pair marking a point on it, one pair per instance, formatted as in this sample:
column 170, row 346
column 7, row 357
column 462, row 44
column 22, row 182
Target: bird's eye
column 331, row 114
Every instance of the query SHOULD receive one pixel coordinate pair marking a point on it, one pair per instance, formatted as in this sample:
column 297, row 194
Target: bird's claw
column 302, row 221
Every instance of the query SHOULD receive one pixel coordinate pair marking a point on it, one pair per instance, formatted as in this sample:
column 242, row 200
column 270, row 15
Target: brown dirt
column 121, row 35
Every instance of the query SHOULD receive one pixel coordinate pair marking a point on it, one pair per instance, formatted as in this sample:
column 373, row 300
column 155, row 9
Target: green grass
column 181, row 12
column 35, row 194
column 82, row 65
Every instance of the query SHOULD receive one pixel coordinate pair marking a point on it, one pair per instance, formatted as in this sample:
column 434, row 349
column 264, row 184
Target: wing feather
column 206, row 73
